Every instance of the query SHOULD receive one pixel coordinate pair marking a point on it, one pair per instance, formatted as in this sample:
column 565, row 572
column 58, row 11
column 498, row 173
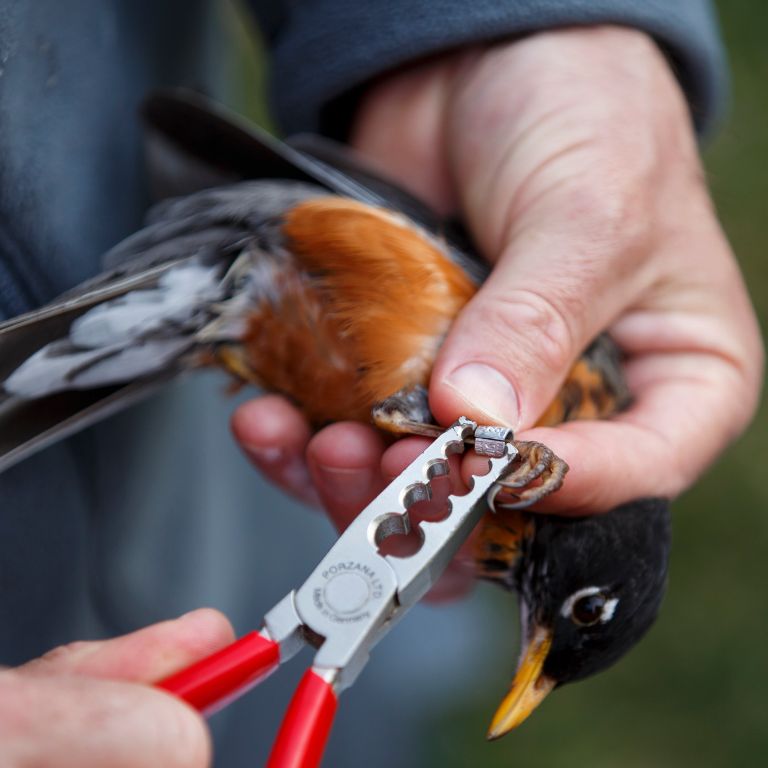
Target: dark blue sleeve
column 323, row 51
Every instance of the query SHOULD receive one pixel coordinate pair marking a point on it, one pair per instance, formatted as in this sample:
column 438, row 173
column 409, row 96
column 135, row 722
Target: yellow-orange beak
column 529, row 688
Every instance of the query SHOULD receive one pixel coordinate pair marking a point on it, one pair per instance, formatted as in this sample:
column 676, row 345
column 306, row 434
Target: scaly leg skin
column 534, row 474
column 535, row 462
column 406, row 413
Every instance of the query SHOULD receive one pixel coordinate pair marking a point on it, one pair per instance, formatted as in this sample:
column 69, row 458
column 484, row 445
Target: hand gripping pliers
column 352, row 599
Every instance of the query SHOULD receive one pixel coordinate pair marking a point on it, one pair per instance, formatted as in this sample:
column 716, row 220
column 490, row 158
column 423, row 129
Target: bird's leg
column 535, row 473
column 406, row 413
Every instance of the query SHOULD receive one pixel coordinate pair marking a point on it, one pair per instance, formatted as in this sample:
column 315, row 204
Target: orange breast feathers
column 359, row 313
column 389, row 291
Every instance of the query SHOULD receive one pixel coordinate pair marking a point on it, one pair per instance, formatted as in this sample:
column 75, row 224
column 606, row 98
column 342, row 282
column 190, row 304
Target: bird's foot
column 535, row 473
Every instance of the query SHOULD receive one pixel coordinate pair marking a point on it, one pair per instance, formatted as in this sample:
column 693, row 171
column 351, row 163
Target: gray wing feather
column 211, row 226
column 347, row 169
column 111, row 330
column 238, row 210
column 23, row 335
column 123, row 338
column 110, row 341
column 195, row 142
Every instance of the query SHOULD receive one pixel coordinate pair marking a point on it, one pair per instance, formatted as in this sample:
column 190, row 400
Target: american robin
column 327, row 284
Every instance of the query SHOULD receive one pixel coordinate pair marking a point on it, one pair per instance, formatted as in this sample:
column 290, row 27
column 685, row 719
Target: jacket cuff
column 324, row 51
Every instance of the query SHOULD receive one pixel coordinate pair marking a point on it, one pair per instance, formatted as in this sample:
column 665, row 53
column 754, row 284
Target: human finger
column 459, row 577
column 146, row 655
column 682, row 416
column 274, row 435
column 344, row 463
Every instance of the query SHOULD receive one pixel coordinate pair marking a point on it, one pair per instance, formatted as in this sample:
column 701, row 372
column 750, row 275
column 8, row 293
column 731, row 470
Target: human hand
column 571, row 157
column 88, row 704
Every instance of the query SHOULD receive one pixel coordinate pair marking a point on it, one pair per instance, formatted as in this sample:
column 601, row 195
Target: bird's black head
column 589, row 588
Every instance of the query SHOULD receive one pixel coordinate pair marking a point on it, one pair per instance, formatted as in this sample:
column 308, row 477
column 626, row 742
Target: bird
column 292, row 266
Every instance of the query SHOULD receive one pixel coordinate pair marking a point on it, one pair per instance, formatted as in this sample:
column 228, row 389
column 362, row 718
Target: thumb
column 511, row 348
column 73, row 707
column 71, row 721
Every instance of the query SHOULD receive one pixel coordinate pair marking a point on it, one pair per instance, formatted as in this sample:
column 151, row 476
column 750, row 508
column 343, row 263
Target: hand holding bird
column 571, row 156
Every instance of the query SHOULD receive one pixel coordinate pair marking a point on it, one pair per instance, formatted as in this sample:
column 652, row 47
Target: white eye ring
column 609, row 607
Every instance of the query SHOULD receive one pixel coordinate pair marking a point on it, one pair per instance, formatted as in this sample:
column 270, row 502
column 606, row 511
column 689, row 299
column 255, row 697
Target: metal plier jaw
column 355, row 595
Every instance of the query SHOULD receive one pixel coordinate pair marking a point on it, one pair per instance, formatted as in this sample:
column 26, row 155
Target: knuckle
column 62, row 655
column 611, row 212
column 529, row 322
column 66, row 651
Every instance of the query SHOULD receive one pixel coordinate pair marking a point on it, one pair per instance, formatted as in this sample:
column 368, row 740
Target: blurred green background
column 692, row 693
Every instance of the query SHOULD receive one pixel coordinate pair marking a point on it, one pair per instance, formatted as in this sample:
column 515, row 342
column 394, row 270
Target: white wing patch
column 130, row 336
column 177, row 297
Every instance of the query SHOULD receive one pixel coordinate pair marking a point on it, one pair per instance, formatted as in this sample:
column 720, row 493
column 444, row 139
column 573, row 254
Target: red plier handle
column 355, row 595
column 216, row 680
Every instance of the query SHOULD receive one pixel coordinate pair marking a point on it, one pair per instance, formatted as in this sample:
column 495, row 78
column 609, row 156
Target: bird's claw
column 535, row 473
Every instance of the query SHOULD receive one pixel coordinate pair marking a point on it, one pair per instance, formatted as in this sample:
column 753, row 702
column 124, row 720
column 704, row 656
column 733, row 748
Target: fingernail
column 346, row 486
column 296, row 476
column 485, row 389
column 265, row 454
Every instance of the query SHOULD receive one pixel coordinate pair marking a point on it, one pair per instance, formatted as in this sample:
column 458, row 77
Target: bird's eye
column 588, row 610
column 589, row 606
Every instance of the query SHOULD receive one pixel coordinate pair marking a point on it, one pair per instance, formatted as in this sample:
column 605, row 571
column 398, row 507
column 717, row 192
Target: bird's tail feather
column 28, row 426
